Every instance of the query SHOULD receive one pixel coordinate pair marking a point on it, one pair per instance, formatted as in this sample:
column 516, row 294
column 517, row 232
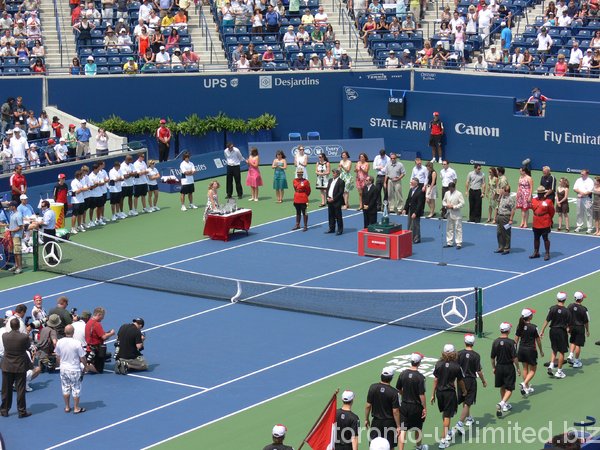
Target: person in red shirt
column 57, row 127
column 543, row 213
column 18, row 183
column 95, row 336
column 301, row 193
column 60, row 192
column 435, row 138
column 163, row 136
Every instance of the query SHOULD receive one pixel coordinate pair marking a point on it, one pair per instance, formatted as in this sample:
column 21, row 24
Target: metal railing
column 347, row 23
column 205, row 31
column 58, row 32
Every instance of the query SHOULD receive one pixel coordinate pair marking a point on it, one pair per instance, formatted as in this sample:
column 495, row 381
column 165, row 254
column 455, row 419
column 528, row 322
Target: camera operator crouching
column 95, row 336
column 130, row 343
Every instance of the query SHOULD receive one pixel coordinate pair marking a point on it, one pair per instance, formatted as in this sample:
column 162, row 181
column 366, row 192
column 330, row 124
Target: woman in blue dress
column 279, row 180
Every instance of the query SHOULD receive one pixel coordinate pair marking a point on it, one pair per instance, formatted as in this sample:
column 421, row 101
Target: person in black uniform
column 347, row 424
column 447, row 375
column 504, row 365
column 278, row 437
column 414, row 206
column 369, row 198
column 580, row 329
column 413, row 407
column 383, row 406
column 470, row 362
column 559, row 319
column 526, row 338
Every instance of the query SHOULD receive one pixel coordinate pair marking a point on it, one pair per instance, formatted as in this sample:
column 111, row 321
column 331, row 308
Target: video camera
column 35, row 323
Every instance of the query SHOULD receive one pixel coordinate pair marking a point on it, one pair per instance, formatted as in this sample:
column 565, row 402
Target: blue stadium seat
column 84, row 53
column 101, row 61
column 178, row 68
column 114, row 61
column 269, row 67
column 97, row 33
column 255, row 39
column 192, row 68
column 99, row 52
column 23, row 71
column 115, row 70
column 270, row 39
column 164, row 69
column 313, row 135
column 283, row 66
column 294, row 136
column 23, row 62
column 102, row 70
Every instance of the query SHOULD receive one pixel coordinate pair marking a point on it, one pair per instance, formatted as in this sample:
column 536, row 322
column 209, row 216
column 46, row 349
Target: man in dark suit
column 369, row 197
column 14, row 367
column 414, row 206
column 335, row 192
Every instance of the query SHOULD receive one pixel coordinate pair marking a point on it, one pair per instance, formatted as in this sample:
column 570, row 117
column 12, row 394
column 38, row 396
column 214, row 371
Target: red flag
column 323, row 434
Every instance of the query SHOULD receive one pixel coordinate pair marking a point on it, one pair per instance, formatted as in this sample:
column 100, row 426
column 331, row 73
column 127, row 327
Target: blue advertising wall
column 480, row 128
column 333, row 149
column 30, row 88
column 511, row 85
column 301, row 102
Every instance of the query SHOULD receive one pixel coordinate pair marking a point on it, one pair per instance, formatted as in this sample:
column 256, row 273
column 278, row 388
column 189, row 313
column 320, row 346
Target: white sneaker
column 114, row 218
column 433, row 159
column 130, row 213
column 499, row 410
column 559, row 374
column 82, row 228
column 73, row 230
column 444, row 444
column 18, row 271
column 530, row 390
column 183, row 208
column 469, row 421
column 577, row 364
column 192, row 206
column 122, row 215
column 90, row 225
column 440, row 160
column 589, row 231
column 507, row 407
column 148, row 210
column 12, row 269
column 460, row 428
column 523, row 389
column 134, row 212
column 102, row 222
column 28, row 388
column 578, row 229
column 156, row 208
column 422, row 447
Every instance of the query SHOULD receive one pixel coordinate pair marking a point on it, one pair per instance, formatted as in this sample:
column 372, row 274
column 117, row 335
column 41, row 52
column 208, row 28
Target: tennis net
column 436, row 309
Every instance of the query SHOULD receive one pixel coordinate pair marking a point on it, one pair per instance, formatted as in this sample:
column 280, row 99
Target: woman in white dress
column 301, row 161
column 212, row 198
column 323, row 170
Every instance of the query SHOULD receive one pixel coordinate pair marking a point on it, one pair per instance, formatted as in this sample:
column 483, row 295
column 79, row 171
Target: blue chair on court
column 294, row 136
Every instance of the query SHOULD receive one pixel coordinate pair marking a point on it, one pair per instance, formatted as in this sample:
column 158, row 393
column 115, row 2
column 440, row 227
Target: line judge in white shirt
column 234, row 158
column 114, row 187
column 453, row 202
column 140, row 183
column 187, row 169
column 379, row 164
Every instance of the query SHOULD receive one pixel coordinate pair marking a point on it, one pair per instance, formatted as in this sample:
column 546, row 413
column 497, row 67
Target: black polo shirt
column 528, row 334
column 559, row 317
column 549, row 182
column 579, row 314
column 348, row 425
column 412, row 385
column 278, row 447
column 447, row 373
column 383, row 399
column 470, row 362
column 504, row 351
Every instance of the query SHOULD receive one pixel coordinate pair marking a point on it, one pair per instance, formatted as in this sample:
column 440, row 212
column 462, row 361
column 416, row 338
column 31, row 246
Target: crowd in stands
column 21, row 46
column 129, row 37
column 279, row 35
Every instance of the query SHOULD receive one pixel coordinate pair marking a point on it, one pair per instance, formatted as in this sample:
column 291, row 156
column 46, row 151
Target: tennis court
column 211, row 359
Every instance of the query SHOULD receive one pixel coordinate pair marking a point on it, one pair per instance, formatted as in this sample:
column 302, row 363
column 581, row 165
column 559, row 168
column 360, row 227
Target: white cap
column 505, row 327
column 388, row 371
column 406, row 50
column 279, row 430
column 162, row 47
column 379, row 443
column 23, row 197
column 344, row 52
column 579, row 295
column 187, row 49
column 449, row 348
column 300, row 54
column 269, row 47
column 9, row 131
column 469, row 339
column 416, row 358
column 438, row 43
column 503, row 24
column 527, row 312
column 121, row 20
column 83, row 121
column 314, row 55
column 90, row 58
column 347, row 396
column 561, row 296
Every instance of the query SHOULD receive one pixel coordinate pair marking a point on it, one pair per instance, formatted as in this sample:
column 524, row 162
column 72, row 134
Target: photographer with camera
column 95, row 336
column 66, row 317
column 47, row 343
column 130, row 343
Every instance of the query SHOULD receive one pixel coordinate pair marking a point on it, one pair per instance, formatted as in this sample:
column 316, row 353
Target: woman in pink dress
column 524, row 191
column 362, row 172
column 254, row 180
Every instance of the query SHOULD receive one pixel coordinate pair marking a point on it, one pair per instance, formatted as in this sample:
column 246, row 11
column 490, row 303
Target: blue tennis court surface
column 209, row 359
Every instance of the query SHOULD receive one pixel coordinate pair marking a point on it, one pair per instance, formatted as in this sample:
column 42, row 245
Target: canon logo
column 477, row 130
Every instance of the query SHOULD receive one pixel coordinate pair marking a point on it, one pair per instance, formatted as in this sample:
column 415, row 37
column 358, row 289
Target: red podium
column 218, row 226
column 393, row 246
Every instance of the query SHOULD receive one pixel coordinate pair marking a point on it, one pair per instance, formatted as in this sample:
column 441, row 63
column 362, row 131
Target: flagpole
column 319, row 418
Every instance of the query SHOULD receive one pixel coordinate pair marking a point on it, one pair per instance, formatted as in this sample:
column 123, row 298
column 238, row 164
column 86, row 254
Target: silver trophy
column 385, row 218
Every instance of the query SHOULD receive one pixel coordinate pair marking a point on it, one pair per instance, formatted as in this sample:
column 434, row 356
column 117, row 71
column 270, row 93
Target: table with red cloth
column 218, row 226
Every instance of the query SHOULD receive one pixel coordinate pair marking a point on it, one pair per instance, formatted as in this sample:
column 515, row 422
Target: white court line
column 204, row 425
column 144, row 413
column 155, row 266
column 134, row 375
column 309, row 246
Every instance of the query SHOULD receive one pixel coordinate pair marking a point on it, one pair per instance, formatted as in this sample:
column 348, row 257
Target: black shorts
column 559, row 341
column 541, row 233
column 77, row 209
column 527, row 355
column 300, row 208
column 187, row 188
column 410, row 414
column 447, row 402
column 471, row 397
column 140, row 190
column 104, row 197
column 152, row 187
column 385, row 428
column 435, row 140
column 115, row 198
column 97, row 202
column 578, row 335
column 506, row 376
column 89, row 203
column 126, row 191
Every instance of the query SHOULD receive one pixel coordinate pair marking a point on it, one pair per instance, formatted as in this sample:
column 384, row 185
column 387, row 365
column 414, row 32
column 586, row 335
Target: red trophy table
column 218, row 226
column 394, row 245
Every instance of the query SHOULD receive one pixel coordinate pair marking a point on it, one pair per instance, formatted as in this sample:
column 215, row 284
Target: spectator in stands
column 307, row 18
column 143, row 41
column 484, row 21
column 255, row 64
column 108, row 9
column 300, row 63
column 154, row 22
column 29, row 5
column 242, row 65
column 289, row 38
column 280, row 8
column 550, row 21
column 575, row 59
column 49, row 153
column 251, row 51
column 561, row 67
column 5, row 155
column 83, row 136
column 20, row 31
column 227, row 14
column 329, row 36
column 7, row 50
column 61, row 151
column 551, row 9
column 544, row 44
column 445, row 16
column 440, row 56
column 157, row 41
column 137, row 30
column 33, row 156
column 18, row 147
column 586, row 63
column 456, row 21
column 162, row 57
column 492, row 56
column 329, row 62
column 425, row 55
column 22, row 51
column 444, row 35
column 382, row 26
column 409, row 26
column 164, row 6
column 84, row 32
column 315, row 63
column 71, row 141
column 33, row 127
column 6, row 114
column 471, row 19
column 395, row 27
column 337, row 50
column 481, row 65
column 144, row 10
column 122, row 10
column 180, row 21
column 582, row 16
column 316, row 37
column 257, row 22
column 345, row 62
column 93, row 14
column 6, row 22
column 505, row 36
column 527, row 59
column 294, row 8
column 90, row 68
column 189, row 57
column 268, row 56
column 564, row 20
column 406, row 59
column 517, row 58
column 392, row 62
column 110, row 39
column 368, row 29
column 302, row 34
column 38, row 49
column 584, row 187
column 8, row 39
column 459, row 41
column 38, row 67
column 595, row 42
column 75, row 67
column 321, row 19
column 176, row 58
column 239, row 50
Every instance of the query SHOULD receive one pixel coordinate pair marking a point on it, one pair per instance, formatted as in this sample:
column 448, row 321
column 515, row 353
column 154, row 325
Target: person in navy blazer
column 370, row 196
column 334, row 193
column 15, row 364
column 415, row 204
